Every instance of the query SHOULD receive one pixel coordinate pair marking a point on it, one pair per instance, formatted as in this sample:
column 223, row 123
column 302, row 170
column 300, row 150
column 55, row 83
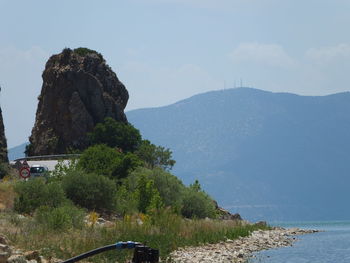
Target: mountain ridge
column 229, row 135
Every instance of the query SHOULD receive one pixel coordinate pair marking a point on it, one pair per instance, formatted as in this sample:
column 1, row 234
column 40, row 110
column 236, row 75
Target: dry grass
column 164, row 231
column 7, row 195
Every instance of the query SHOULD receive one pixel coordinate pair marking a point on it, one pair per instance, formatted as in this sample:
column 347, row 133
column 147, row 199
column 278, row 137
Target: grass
column 162, row 230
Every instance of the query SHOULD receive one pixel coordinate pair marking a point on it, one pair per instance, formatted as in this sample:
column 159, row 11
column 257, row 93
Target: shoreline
column 241, row 249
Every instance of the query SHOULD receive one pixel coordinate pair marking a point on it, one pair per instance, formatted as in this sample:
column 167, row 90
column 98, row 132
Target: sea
column 330, row 246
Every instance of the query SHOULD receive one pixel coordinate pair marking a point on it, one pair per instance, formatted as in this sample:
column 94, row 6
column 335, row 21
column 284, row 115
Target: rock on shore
column 238, row 250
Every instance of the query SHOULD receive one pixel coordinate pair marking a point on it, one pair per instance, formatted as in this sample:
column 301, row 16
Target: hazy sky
column 167, row 50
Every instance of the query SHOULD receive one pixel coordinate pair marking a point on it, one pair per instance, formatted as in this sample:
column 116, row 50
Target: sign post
column 24, row 172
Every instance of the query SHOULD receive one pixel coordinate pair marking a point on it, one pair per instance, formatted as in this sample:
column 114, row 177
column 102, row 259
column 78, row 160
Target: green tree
column 148, row 194
column 100, row 159
column 155, row 156
column 197, row 204
column 170, row 188
column 116, row 134
column 103, row 160
column 128, row 163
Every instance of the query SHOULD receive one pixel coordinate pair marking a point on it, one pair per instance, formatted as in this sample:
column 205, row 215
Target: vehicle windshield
column 37, row 170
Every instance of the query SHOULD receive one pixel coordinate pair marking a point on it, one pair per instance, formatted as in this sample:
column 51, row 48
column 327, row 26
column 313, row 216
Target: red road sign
column 24, row 172
column 25, row 164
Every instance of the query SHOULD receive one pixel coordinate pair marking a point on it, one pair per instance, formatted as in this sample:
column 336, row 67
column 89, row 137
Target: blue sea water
column 330, row 246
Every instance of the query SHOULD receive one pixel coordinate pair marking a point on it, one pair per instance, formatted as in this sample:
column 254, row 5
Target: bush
column 127, row 164
column 126, row 202
column 35, row 193
column 91, row 191
column 83, row 51
column 4, row 170
column 60, row 218
column 197, row 204
column 103, row 160
column 100, row 159
column 116, row 134
column 170, row 188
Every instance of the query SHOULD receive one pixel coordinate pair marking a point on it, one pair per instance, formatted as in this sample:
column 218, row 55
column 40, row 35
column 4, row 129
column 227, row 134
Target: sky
column 168, row 50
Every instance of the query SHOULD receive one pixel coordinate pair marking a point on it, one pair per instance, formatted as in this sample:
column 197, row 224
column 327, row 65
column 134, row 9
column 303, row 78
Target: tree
column 100, row 159
column 116, row 134
column 196, row 203
column 103, row 160
column 149, row 197
column 155, row 156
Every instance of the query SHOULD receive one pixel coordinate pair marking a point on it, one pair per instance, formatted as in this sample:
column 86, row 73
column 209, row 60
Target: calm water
column 331, row 246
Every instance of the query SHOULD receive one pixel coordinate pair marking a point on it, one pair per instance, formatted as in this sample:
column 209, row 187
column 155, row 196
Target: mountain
column 274, row 156
column 17, row 152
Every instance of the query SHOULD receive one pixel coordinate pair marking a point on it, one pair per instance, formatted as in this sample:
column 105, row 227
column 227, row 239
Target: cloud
column 264, row 54
column 329, row 54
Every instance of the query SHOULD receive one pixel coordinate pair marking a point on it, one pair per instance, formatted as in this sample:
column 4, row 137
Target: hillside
column 274, row 156
column 17, row 152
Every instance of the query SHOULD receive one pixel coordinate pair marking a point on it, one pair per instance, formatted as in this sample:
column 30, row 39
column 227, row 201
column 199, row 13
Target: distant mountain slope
column 275, row 156
column 17, row 152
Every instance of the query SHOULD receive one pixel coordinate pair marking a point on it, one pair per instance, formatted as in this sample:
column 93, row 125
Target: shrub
column 126, row 202
column 92, row 191
column 116, row 134
column 197, row 204
column 83, row 51
column 4, row 170
column 103, row 160
column 100, row 159
column 127, row 164
column 35, row 193
column 170, row 188
column 148, row 194
column 60, row 218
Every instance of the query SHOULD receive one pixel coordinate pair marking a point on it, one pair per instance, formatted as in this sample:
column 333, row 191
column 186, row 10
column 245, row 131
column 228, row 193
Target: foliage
column 83, row 51
column 103, row 160
column 35, row 193
column 126, row 202
column 29, row 149
column 170, row 188
column 127, row 164
column 148, row 195
column 163, row 230
column 100, row 159
column 62, row 168
column 91, row 191
column 4, row 170
column 60, row 218
column 116, row 134
column 155, row 156
column 197, row 204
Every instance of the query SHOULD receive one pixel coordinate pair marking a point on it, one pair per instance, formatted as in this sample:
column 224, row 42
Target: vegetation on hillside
column 127, row 180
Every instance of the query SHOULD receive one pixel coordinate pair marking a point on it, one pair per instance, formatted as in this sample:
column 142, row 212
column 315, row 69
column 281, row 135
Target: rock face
column 3, row 143
column 79, row 90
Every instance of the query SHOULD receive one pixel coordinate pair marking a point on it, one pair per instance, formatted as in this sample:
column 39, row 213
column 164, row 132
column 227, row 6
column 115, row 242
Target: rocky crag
column 3, row 143
column 79, row 90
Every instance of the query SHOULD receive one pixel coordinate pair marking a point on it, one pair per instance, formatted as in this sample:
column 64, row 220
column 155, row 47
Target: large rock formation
column 3, row 143
column 79, row 90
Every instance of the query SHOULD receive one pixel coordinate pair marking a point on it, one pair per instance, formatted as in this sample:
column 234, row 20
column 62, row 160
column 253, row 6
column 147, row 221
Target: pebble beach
column 239, row 250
